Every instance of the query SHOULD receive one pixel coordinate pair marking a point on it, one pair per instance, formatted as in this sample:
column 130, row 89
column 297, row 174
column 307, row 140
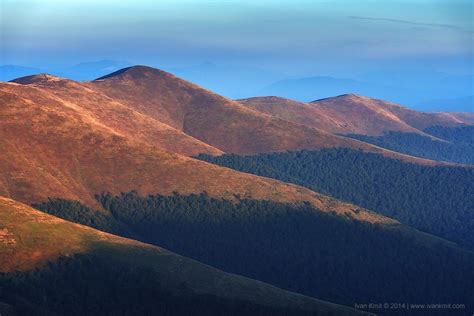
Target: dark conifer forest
column 293, row 246
column 451, row 144
column 437, row 200
column 104, row 282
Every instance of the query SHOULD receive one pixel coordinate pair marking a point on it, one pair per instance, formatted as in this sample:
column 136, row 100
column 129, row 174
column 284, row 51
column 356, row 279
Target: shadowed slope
column 53, row 150
column 29, row 239
column 296, row 247
column 435, row 199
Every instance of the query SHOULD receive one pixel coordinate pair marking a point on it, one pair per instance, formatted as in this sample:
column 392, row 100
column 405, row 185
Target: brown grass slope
column 111, row 114
column 213, row 119
column 53, row 150
column 295, row 111
column 463, row 118
column 354, row 114
column 125, row 115
column 29, row 239
column 356, row 108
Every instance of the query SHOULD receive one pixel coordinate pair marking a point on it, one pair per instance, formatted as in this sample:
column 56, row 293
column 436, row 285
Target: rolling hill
column 76, row 270
column 74, row 150
column 153, row 107
column 53, row 148
column 110, row 114
column 306, row 89
column 294, row 111
column 424, row 90
column 9, row 72
column 354, row 114
column 380, row 123
column 213, row 119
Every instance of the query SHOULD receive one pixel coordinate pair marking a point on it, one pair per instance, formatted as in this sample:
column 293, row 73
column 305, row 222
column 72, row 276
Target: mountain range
column 204, row 203
column 425, row 91
column 430, row 91
column 81, row 71
column 355, row 114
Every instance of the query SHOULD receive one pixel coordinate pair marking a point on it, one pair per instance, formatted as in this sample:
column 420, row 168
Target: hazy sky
column 294, row 36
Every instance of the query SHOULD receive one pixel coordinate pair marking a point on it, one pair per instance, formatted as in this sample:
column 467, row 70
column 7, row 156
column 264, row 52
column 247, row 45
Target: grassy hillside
column 438, row 200
column 211, row 118
column 103, row 112
column 53, row 149
column 354, row 114
column 295, row 246
column 52, row 267
column 370, row 116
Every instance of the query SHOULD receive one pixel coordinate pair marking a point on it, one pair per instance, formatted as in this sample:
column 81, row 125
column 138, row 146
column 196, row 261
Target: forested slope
column 453, row 144
column 49, row 266
column 438, row 200
column 293, row 246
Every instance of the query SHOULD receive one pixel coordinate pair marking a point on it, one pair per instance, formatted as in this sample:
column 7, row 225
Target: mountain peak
column 270, row 98
column 38, row 78
column 346, row 96
column 272, row 102
column 134, row 72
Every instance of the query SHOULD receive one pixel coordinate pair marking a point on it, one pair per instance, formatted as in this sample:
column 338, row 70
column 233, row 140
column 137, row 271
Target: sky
column 297, row 37
column 419, row 53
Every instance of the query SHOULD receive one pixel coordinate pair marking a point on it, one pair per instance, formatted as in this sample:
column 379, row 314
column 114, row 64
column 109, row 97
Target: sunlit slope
column 51, row 150
column 102, row 111
column 211, row 118
column 354, row 114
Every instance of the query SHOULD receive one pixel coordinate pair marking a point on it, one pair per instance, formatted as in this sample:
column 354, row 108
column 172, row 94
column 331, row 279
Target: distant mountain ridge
column 79, row 72
column 311, row 88
column 460, row 104
column 429, row 91
column 9, row 72
column 423, row 91
column 232, row 81
column 211, row 118
column 379, row 122
column 355, row 114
